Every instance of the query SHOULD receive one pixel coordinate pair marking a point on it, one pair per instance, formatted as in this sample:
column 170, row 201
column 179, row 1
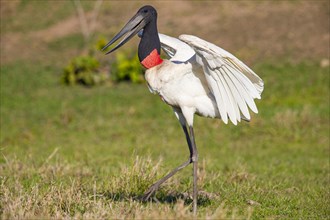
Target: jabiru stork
column 199, row 78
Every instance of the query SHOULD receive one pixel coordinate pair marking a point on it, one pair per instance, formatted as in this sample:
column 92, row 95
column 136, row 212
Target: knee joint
column 194, row 158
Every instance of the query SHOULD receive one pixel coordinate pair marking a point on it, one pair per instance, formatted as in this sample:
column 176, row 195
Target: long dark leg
column 194, row 159
column 156, row 185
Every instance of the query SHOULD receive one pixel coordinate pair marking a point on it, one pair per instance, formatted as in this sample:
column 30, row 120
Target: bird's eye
column 145, row 10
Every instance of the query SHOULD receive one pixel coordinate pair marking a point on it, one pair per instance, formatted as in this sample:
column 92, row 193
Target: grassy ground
column 90, row 152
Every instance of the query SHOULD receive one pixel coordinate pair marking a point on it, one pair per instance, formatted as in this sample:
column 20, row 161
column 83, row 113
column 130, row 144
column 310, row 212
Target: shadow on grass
column 204, row 198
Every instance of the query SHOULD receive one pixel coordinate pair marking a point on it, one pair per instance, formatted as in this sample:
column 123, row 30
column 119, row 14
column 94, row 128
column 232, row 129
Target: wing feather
column 233, row 84
column 232, row 106
column 237, row 97
column 241, row 94
column 216, row 90
column 223, row 88
column 176, row 49
column 246, row 82
column 244, row 90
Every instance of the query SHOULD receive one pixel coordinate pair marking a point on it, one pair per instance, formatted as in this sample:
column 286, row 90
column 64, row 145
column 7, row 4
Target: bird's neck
column 149, row 47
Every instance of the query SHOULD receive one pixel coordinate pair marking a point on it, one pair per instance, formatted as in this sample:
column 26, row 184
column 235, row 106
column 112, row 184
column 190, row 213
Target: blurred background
column 61, row 97
column 253, row 30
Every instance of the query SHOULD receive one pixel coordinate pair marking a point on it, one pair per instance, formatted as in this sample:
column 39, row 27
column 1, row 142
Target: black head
column 147, row 11
column 139, row 21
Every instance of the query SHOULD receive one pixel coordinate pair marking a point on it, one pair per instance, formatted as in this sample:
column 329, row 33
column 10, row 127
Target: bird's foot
column 146, row 196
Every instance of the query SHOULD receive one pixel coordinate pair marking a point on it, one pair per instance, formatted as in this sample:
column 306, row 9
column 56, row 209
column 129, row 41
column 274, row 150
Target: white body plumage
column 183, row 88
column 204, row 79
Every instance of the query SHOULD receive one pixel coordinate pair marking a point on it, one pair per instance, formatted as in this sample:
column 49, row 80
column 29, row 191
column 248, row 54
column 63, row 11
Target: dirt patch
column 59, row 30
column 253, row 30
column 298, row 30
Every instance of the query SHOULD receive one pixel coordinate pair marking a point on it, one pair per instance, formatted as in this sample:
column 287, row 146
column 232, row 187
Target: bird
column 199, row 78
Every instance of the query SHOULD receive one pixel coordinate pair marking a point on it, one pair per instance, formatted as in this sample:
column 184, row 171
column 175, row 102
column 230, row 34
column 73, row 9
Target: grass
column 74, row 152
column 89, row 152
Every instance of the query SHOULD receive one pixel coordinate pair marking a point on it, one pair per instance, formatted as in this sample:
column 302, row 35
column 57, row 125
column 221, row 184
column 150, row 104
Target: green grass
column 88, row 152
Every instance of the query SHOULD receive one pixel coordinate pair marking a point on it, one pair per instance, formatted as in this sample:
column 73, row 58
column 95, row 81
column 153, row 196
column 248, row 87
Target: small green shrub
column 83, row 70
column 127, row 68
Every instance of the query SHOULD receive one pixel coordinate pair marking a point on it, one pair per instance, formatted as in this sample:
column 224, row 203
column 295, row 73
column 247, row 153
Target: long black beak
column 132, row 27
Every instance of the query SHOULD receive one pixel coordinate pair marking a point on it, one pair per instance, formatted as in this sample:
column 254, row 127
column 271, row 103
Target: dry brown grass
column 51, row 197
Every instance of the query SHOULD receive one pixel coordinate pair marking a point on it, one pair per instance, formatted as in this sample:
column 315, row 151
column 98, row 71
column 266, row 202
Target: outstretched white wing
column 234, row 85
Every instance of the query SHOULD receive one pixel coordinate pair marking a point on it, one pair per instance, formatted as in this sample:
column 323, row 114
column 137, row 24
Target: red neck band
column 153, row 59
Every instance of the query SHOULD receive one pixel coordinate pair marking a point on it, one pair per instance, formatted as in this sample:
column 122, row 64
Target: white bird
column 199, row 78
